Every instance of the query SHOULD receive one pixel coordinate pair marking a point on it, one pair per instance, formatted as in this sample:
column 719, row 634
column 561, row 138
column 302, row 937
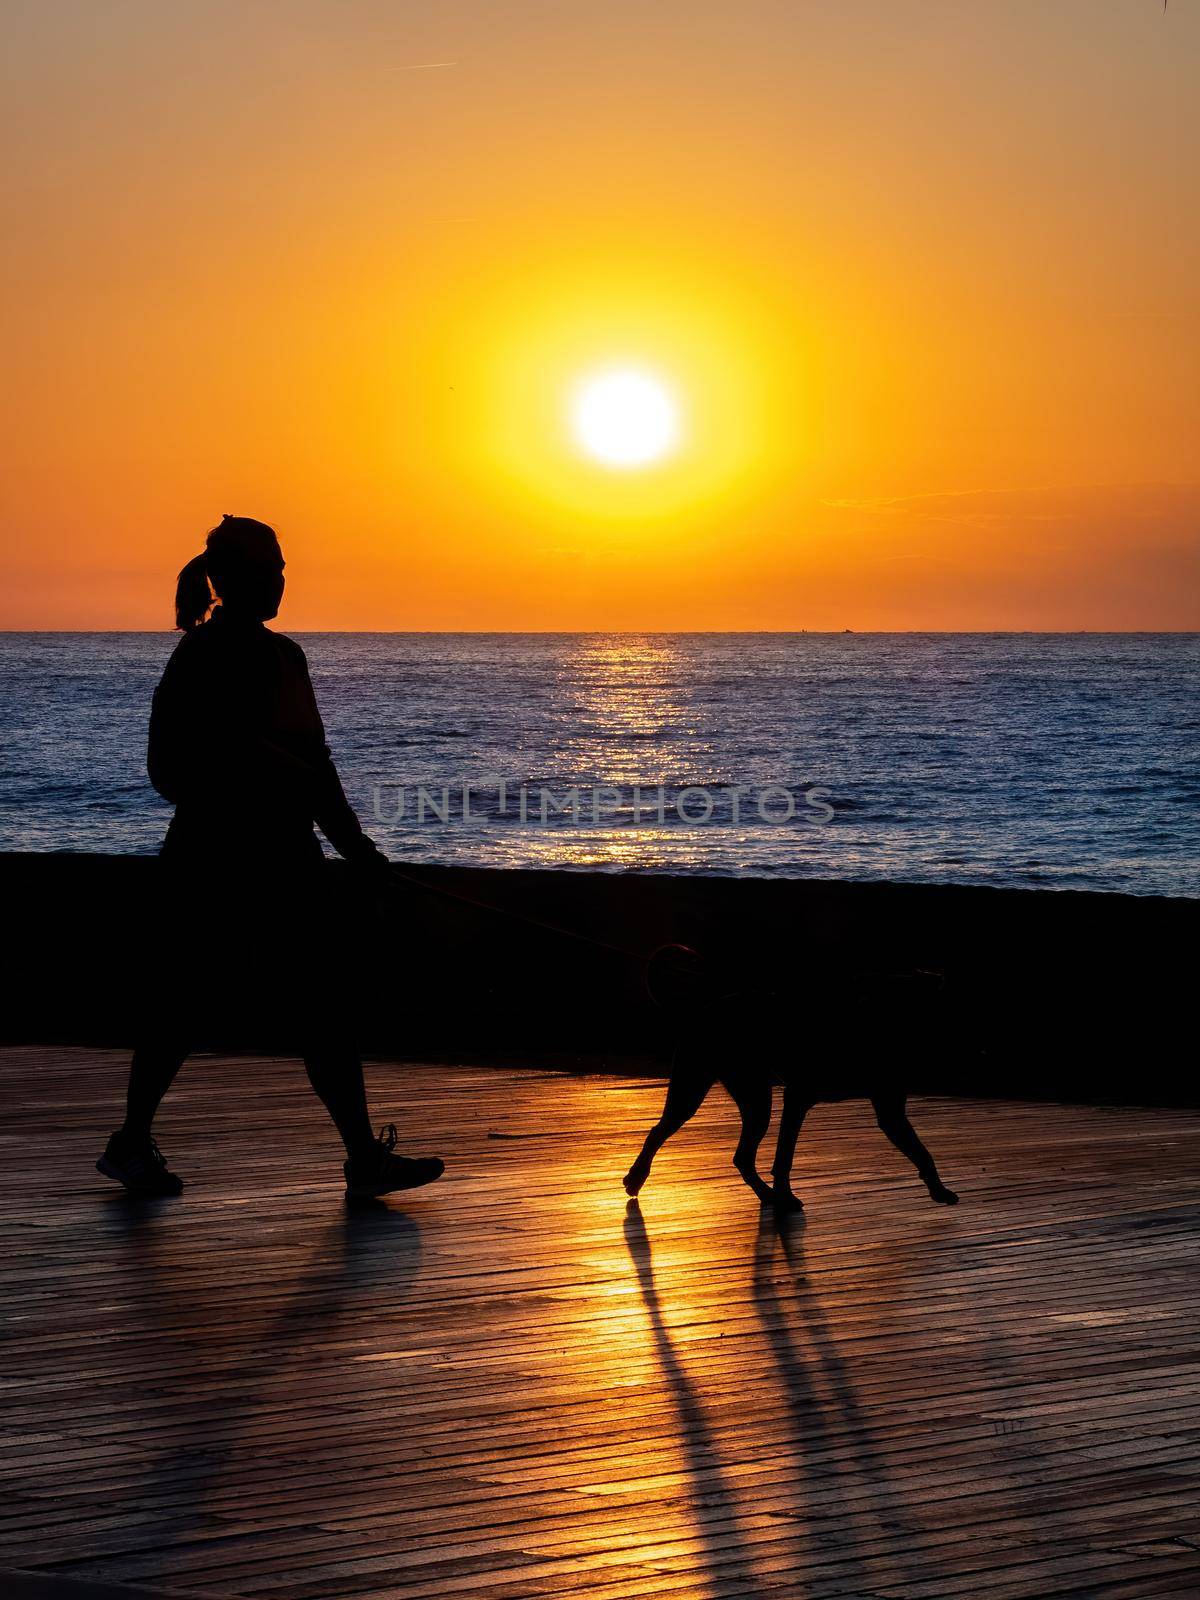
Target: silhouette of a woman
column 238, row 747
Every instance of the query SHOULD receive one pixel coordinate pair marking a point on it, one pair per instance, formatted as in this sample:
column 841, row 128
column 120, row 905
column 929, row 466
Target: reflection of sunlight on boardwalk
column 518, row 1387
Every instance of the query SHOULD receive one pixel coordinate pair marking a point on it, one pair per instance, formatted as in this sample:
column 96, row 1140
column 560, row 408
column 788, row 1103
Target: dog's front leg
column 685, row 1095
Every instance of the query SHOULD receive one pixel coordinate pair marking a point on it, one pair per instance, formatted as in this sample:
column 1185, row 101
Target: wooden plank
column 511, row 1385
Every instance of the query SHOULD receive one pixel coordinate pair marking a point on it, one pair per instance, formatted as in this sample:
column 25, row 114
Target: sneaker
column 139, row 1165
column 382, row 1171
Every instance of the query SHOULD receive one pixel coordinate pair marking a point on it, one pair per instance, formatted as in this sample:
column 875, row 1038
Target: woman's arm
column 331, row 810
column 337, row 818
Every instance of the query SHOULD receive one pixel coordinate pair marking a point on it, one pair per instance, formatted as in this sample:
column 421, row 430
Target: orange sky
column 925, row 278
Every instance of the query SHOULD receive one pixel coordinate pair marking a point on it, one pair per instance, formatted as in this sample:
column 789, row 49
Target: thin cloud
column 1036, row 502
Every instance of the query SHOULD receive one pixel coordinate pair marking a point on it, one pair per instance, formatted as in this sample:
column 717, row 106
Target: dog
column 860, row 1046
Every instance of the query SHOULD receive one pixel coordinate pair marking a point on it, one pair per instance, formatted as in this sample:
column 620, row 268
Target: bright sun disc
column 625, row 418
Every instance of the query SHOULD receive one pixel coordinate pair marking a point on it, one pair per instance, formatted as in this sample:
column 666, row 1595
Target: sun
column 625, row 417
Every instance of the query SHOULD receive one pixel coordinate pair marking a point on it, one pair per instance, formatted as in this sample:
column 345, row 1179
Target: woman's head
column 242, row 565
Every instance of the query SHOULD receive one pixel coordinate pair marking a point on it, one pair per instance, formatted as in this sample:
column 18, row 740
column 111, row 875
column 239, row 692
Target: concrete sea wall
column 1054, row 993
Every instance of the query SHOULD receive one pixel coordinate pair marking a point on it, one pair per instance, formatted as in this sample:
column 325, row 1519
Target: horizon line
column 832, row 633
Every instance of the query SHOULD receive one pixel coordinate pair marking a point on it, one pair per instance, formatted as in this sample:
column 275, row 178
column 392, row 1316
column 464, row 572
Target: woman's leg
column 131, row 1156
column 178, row 902
column 317, row 994
column 336, row 1075
column 319, row 988
column 152, row 1071
column 372, row 1167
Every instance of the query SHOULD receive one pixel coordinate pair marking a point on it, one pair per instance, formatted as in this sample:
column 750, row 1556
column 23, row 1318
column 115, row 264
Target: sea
column 1063, row 761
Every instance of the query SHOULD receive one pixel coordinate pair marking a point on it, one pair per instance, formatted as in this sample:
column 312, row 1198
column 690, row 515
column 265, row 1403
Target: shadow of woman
column 828, row 1427
column 246, row 1381
column 728, row 1565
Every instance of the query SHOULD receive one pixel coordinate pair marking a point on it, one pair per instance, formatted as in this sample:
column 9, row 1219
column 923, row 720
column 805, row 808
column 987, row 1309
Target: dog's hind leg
column 892, row 1116
column 752, row 1096
column 686, row 1092
column 796, row 1107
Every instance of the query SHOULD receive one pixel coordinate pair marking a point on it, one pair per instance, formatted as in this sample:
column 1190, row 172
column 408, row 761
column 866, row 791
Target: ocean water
column 1020, row 759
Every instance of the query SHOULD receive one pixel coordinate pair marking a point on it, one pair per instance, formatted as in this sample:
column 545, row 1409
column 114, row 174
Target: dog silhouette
column 859, row 1040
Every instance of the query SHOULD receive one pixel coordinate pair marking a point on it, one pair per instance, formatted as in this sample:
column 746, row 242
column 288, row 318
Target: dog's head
column 678, row 978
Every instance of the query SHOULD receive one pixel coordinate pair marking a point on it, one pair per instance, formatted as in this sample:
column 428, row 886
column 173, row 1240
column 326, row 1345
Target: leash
column 398, row 875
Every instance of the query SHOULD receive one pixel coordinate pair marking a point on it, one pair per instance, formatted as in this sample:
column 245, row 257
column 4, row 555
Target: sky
column 919, row 279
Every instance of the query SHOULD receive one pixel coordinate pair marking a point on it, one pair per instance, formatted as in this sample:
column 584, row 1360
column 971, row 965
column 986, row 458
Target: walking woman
column 237, row 746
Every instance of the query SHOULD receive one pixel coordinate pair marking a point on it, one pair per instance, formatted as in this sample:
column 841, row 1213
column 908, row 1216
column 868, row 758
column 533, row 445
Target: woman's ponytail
column 235, row 549
column 193, row 594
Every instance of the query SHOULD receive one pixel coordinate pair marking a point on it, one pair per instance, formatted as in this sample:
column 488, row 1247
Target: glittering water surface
column 1035, row 759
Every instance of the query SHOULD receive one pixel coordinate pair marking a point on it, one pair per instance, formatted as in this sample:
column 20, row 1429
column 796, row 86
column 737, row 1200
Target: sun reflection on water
column 628, row 711
column 627, row 719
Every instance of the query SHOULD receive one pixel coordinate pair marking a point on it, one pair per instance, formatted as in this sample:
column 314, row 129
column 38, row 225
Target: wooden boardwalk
column 511, row 1387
